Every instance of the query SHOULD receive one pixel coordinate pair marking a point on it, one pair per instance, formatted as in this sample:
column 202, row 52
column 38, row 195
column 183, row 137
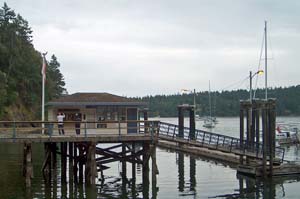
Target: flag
column 44, row 68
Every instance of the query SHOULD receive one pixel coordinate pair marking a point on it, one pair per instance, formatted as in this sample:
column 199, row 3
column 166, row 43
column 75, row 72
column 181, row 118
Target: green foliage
column 20, row 67
column 55, row 81
column 225, row 103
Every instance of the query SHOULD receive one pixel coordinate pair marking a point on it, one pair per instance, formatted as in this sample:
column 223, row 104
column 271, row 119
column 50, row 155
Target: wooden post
column 192, row 123
column 133, row 172
column 53, row 155
column 154, row 171
column 81, row 160
column 145, row 115
column 252, row 127
column 264, row 128
column 180, row 122
column 46, row 168
column 63, row 162
column 271, row 128
column 71, row 152
column 241, row 186
column 248, row 129
column 28, row 168
column 192, row 173
column 257, row 128
column 145, row 179
column 91, row 167
column 75, row 165
column 181, row 171
column 241, row 131
column 124, row 169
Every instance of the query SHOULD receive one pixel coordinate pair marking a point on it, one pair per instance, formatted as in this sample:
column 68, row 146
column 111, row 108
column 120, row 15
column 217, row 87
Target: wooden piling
column 124, row 166
column 257, row 128
column 241, row 131
column 180, row 122
column 146, row 155
column 71, row 152
column 81, row 161
column 133, row 170
column 181, row 172
column 53, row 156
column 27, row 167
column 192, row 124
column 46, row 168
column 75, row 162
column 63, row 150
column 192, row 173
column 154, row 170
column 264, row 143
column 91, row 167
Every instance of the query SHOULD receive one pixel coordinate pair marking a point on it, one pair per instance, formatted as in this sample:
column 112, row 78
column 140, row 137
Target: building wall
column 94, row 114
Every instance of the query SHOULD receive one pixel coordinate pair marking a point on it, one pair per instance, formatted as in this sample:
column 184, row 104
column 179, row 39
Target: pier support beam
column 63, row 149
column 81, row 161
column 27, row 164
column 180, row 122
column 192, row 123
column 155, row 171
column 192, row 173
column 146, row 155
column 181, row 171
column 46, row 168
column 91, row 167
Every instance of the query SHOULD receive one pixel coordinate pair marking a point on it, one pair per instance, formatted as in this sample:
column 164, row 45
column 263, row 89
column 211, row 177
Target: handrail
column 219, row 142
column 23, row 129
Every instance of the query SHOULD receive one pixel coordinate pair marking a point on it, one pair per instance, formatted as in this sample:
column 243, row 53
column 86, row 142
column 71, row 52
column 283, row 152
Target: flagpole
column 43, row 89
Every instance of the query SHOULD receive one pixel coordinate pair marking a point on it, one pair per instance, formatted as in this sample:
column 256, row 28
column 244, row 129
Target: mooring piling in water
column 191, row 109
column 27, row 163
column 259, row 111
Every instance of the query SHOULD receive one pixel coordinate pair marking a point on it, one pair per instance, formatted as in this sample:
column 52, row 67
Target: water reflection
column 256, row 188
column 189, row 188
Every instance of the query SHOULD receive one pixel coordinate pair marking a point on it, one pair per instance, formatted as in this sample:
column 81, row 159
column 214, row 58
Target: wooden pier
column 83, row 153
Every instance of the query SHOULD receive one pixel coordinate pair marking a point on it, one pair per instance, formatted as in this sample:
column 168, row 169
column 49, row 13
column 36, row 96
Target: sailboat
column 208, row 121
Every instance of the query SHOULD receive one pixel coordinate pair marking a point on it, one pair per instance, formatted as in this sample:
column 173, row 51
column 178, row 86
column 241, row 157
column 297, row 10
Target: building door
column 132, row 115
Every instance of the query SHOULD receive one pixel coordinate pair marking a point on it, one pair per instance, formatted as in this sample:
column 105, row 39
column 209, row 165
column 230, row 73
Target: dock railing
column 217, row 142
column 25, row 129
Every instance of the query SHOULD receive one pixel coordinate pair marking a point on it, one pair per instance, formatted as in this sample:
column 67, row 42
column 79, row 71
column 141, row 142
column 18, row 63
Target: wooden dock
column 84, row 156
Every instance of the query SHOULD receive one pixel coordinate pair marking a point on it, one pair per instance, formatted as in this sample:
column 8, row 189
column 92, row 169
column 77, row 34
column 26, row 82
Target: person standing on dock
column 60, row 120
column 77, row 123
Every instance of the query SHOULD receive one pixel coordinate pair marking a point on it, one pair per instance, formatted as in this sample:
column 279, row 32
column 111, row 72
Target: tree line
column 20, row 70
column 225, row 103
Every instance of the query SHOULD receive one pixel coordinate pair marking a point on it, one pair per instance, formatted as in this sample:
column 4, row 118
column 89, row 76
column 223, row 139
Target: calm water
column 180, row 176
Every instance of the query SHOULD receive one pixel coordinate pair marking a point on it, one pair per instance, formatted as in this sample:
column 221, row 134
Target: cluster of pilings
column 191, row 110
column 260, row 119
column 84, row 160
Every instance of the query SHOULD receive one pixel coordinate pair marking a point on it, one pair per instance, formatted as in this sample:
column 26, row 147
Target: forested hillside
column 20, row 70
column 224, row 103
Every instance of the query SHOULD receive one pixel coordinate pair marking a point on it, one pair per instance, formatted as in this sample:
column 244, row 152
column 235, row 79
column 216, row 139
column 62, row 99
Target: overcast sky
column 138, row 48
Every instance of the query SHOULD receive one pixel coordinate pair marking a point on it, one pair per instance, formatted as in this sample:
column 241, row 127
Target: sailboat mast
column 266, row 61
column 209, row 99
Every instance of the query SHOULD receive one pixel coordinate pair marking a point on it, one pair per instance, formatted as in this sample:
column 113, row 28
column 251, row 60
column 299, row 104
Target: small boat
column 209, row 121
column 286, row 136
column 208, row 124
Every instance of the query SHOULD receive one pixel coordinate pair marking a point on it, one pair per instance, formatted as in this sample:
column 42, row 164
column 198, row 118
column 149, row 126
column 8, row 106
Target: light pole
column 259, row 72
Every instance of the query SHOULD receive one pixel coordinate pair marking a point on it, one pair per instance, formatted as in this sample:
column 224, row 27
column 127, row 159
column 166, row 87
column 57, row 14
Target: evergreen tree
column 55, row 81
column 20, row 69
